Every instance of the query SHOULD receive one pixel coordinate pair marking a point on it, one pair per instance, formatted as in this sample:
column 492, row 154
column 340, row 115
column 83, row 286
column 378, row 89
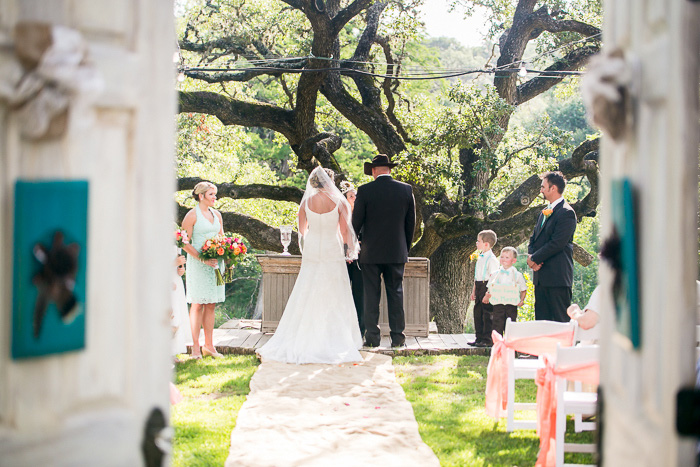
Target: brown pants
column 482, row 314
column 500, row 314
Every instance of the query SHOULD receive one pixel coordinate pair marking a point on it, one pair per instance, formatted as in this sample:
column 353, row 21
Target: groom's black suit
column 385, row 214
column 552, row 246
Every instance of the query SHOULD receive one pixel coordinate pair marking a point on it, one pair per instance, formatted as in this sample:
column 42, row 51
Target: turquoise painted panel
column 49, row 267
column 627, row 304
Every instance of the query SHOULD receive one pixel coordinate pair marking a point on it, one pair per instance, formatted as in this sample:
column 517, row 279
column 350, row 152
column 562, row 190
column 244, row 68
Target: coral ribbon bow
column 497, row 378
column 497, row 371
column 547, row 402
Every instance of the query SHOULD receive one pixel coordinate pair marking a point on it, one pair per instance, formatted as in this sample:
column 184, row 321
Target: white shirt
column 510, row 276
column 486, row 265
column 554, row 203
column 594, row 301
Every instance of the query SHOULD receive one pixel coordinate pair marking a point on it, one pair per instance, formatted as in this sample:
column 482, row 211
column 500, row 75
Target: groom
column 550, row 252
column 384, row 218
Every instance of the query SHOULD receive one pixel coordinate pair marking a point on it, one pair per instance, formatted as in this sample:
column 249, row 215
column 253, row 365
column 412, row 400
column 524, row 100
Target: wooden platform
column 242, row 337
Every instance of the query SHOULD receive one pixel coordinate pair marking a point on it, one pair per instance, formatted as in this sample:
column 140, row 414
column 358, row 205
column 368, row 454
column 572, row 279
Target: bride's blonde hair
column 316, row 182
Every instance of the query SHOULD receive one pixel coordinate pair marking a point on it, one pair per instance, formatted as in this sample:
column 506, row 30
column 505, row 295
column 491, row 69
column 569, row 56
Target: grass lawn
column 446, row 392
column 213, row 391
column 447, row 395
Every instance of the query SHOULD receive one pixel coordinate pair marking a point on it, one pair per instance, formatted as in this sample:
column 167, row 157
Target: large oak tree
column 336, row 42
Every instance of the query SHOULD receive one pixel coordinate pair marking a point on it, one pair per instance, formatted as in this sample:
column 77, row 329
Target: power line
column 441, row 72
column 551, row 52
column 412, row 76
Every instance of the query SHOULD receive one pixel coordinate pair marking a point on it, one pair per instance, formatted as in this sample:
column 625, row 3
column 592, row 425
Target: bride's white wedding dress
column 319, row 323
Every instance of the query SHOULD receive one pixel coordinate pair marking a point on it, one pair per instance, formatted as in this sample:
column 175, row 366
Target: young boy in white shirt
column 506, row 275
column 486, row 264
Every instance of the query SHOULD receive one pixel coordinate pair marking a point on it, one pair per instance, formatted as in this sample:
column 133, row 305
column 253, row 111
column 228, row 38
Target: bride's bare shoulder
column 320, row 203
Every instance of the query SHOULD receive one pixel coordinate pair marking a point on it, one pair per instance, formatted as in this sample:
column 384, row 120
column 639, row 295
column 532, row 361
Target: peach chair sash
column 497, row 371
column 175, row 395
column 588, row 372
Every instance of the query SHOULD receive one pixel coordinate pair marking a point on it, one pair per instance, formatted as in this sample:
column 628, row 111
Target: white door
column 660, row 158
column 89, row 407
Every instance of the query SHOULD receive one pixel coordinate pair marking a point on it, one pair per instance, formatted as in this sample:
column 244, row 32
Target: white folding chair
column 522, row 368
column 573, row 402
column 587, row 336
column 584, row 337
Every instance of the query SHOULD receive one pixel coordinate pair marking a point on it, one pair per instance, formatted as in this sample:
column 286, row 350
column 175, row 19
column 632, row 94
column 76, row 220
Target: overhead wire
column 408, row 72
column 550, row 52
column 414, row 76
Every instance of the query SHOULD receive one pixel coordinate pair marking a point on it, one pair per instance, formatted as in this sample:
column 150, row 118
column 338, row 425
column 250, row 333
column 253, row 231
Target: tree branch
column 588, row 146
column 235, row 112
column 389, row 86
column 369, row 35
column 574, row 60
column 527, row 25
column 542, row 19
column 365, row 84
column 228, row 44
column 287, row 91
column 321, row 146
column 224, row 77
column 581, row 256
column 255, row 190
column 348, row 13
column 373, row 123
column 296, row 4
column 246, row 75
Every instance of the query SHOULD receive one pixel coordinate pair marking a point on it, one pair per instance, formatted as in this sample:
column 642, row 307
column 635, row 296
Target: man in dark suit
column 384, row 215
column 550, row 252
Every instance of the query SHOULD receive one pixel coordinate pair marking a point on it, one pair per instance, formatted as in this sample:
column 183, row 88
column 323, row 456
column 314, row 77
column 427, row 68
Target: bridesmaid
column 354, row 272
column 202, row 223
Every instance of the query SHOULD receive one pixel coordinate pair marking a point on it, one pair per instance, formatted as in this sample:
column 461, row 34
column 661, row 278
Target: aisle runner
column 327, row 415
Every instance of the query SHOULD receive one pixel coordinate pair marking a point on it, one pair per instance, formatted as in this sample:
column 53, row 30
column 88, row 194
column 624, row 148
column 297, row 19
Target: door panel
column 89, row 407
column 660, row 157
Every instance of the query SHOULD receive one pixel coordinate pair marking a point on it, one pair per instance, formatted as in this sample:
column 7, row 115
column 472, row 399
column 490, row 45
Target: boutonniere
column 547, row 212
column 474, row 256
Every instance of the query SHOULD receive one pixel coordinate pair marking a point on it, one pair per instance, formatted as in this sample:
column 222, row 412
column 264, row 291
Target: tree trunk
column 451, row 276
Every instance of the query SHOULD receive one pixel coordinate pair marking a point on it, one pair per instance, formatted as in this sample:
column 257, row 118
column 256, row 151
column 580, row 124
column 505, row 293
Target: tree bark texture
column 450, row 286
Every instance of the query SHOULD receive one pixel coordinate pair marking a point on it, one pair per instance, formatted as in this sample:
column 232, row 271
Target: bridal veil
column 320, row 183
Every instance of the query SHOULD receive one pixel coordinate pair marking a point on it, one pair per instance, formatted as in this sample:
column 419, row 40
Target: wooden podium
column 280, row 274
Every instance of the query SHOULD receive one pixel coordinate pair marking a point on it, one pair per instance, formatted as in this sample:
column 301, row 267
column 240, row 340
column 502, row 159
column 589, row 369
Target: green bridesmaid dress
column 201, row 279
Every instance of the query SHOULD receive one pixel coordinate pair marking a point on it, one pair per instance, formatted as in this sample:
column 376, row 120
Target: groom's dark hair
column 557, row 179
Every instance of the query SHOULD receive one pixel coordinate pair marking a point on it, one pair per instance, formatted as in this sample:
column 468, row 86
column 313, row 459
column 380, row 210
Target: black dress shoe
column 473, row 343
column 398, row 343
column 370, row 344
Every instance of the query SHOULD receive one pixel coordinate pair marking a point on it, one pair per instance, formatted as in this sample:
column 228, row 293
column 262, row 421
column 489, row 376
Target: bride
column 319, row 323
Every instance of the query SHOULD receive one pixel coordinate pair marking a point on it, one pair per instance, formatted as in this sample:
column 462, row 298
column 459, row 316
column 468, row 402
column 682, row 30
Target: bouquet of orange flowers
column 229, row 249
